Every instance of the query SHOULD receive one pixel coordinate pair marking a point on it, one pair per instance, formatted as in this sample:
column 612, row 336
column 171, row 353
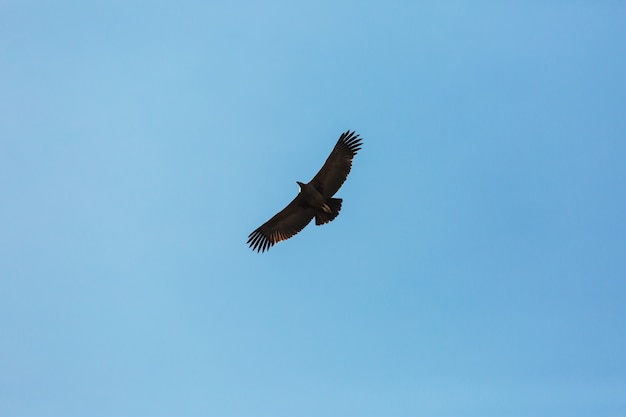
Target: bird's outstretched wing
column 282, row 226
column 337, row 167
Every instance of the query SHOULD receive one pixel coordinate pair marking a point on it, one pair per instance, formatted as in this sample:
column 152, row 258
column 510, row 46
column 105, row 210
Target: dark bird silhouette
column 315, row 198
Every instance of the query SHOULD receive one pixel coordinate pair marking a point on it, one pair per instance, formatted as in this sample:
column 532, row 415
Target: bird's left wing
column 282, row 226
column 335, row 170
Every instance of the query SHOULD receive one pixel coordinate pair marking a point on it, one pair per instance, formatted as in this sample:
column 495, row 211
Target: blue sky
column 477, row 267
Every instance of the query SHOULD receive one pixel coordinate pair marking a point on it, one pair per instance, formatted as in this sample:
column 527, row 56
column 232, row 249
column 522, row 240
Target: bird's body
column 315, row 199
column 324, row 208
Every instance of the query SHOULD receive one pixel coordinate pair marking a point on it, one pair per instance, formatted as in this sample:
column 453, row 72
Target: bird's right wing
column 282, row 226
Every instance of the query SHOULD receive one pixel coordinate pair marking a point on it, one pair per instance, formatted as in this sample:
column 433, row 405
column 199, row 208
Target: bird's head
column 300, row 185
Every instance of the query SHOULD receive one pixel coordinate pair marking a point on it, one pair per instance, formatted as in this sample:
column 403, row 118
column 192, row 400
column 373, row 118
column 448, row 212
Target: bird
column 314, row 199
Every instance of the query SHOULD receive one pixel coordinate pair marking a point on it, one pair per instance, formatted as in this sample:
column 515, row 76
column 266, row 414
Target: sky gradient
column 477, row 268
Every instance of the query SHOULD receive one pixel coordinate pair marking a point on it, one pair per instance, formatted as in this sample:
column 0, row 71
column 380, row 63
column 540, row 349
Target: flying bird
column 315, row 198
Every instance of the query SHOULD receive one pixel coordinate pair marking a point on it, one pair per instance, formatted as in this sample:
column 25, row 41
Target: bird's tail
column 328, row 212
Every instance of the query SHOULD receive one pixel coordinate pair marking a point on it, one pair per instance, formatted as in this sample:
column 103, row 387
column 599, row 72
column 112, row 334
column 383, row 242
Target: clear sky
column 478, row 266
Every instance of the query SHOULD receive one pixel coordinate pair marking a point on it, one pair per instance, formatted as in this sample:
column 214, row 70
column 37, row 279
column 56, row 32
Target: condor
column 315, row 199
